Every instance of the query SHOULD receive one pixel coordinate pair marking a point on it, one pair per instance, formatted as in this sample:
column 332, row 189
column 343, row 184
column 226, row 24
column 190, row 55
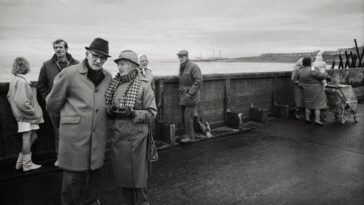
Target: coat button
column 95, row 90
column 97, row 110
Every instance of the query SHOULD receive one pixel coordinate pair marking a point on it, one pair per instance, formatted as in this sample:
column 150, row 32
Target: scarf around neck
column 131, row 93
column 96, row 76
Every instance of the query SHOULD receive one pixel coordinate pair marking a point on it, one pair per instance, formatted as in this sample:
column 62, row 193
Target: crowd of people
column 81, row 99
column 309, row 95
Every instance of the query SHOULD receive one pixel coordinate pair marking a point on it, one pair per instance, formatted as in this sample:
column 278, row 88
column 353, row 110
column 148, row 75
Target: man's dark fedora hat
column 100, row 46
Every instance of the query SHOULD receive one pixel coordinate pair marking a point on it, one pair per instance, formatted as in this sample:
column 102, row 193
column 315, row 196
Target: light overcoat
column 83, row 118
column 129, row 139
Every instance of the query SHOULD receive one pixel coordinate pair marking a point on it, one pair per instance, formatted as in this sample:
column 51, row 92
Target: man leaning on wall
column 190, row 82
column 59, row 61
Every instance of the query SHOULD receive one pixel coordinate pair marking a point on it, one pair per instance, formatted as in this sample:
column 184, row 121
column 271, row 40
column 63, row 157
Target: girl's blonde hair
column 20, row 66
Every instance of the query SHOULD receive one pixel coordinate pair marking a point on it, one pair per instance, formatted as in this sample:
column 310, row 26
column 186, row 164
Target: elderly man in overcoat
column 190, row 82
column 78, row 96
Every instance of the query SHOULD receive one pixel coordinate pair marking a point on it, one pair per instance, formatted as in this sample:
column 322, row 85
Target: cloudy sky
column 159, row 28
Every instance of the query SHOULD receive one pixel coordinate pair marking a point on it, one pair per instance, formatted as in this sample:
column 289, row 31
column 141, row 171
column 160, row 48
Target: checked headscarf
column 131, row 93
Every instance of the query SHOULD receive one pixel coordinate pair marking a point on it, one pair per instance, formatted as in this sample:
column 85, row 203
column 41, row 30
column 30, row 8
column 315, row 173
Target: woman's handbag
column 152, row 148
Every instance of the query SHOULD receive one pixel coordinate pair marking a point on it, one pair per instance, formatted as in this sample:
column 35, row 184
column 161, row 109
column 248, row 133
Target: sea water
column 164, row 67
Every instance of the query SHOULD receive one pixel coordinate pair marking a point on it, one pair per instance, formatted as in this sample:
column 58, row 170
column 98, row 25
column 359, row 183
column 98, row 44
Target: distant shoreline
column 248, row 60
column 328, row 56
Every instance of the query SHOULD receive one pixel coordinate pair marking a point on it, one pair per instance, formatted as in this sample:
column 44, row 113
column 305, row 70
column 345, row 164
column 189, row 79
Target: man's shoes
column 298, row 117
column 319, row 123
column 199, row 136
column 56, row 163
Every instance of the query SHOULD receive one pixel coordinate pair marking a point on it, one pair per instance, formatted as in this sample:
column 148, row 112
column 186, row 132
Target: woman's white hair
column 143, row 56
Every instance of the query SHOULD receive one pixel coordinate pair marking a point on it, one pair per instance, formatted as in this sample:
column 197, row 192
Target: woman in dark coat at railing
column 298, row 90
column 314, row 94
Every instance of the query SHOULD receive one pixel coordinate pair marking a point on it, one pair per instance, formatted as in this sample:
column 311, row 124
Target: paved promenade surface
column 284, row 162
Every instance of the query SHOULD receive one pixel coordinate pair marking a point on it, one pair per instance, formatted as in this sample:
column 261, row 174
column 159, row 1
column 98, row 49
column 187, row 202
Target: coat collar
column 185, row 63
column 68, row 56
column 82, row 68
column 184, row 66
column 142, row 77
column 24, row 77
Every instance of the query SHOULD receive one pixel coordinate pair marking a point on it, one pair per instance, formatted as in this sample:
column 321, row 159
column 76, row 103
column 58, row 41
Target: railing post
column 360, row 56
column 160, row 100
column 274, row 92
column 226, row 98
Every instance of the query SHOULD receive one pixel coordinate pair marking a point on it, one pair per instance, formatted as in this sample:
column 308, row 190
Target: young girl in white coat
column 26, row 110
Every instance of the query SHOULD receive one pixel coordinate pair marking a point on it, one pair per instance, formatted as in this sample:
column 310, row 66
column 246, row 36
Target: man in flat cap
column 59, row 61
column 78, row 96
column 190, row 82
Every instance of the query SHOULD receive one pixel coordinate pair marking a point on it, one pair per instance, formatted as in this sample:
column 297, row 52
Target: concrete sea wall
column 220, row 92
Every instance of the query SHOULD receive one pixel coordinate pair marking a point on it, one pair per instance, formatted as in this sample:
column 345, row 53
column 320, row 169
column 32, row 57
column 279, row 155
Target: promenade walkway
column 283, row 162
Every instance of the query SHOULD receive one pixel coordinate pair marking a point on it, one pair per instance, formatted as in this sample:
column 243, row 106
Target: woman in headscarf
column 298, row 90
column 314, row 95
column 131, row 104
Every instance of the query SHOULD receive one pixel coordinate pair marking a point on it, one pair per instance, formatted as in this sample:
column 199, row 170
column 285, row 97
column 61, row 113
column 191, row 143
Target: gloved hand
column 300, row 86
column 110, row 111
column 329, row 79
column 124, row 112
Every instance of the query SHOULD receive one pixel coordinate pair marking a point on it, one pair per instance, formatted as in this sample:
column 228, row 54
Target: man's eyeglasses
column 96, row 56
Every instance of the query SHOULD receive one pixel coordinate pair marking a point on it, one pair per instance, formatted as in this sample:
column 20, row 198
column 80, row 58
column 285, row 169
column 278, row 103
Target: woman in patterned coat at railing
column 314, row 94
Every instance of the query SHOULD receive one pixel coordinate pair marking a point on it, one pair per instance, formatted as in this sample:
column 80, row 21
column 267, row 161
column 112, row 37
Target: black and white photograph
column 194, row 102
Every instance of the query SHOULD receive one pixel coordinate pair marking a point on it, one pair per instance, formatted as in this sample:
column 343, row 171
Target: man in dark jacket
column 190, row 82
column 60, row 60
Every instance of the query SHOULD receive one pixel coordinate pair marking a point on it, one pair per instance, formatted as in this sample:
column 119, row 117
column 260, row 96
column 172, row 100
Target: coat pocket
column 70, row 120
column 188, row 100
